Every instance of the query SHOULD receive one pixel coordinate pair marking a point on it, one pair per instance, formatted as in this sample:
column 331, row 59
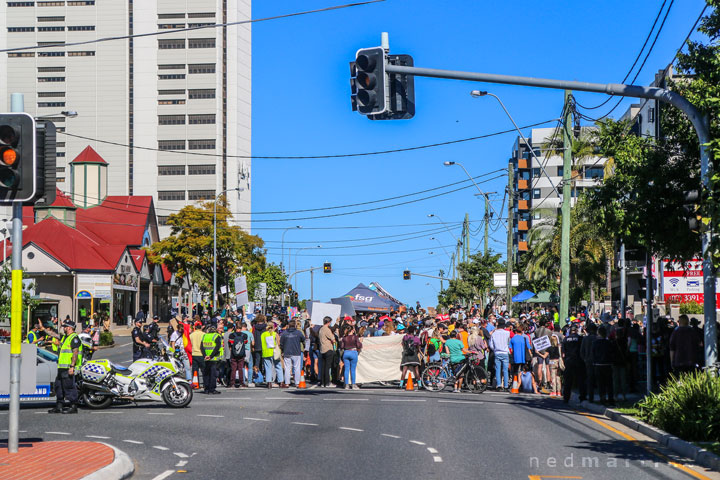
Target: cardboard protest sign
column 541, row 343
column 321, row 310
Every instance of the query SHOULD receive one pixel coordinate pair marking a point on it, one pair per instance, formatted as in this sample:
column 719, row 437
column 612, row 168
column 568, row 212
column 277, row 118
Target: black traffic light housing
column 406, row 275
column 401, row 94
column 46, row 146
column 18, row 160
column 691, row 200
column 327, row 267
column 368, row 81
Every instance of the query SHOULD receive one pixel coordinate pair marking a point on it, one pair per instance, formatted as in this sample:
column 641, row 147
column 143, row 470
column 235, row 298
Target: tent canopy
column 523, row 296
column 365, row 300
column 543, row 297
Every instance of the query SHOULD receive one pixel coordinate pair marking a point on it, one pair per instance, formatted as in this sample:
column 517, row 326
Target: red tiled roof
column 89, row 156
column 119, row 220
column 138, row 256
column 167, row 274
column 62, row 200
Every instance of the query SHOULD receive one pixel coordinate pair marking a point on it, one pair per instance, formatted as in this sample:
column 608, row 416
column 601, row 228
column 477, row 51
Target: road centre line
column 58, row 433
column 417, row 442
column 160, row 447
column 99, row 437
column 303, row 423
column 351, row 429
column 388, row 435
column 160, row 413
column 136, row 442
column 347, row 399
column 459, row 401
column 211, row 416
column 164, row 475
column 287, row 398
column 256, row 419
column 402, row 400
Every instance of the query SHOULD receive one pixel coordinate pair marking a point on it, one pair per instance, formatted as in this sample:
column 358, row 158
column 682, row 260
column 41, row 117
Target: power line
column 189, row 29
column 309, row 157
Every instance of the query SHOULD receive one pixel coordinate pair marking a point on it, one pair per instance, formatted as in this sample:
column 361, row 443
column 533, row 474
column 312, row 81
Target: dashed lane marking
column 181, row 455
column 303, row 423
column 136, row 442
column 181, row 463
column 459, row 401
column 402, row 400
column 432, row 450
column 58, row 433
column 160, row 413
column 388, row 435
column 164, row 475
column 19, row 431
column 256, row 419
column 159, row 447
column 351, row 429
column 437, row 459
column 99, row 437
column 107, row 413
column 417, row 442
column 346, row 399
column 287, row 398
column 211, row 416
column 125, row 344
column 36, row 413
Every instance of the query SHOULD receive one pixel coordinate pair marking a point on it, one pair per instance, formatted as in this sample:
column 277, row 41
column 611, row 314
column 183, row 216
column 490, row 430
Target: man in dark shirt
column 586, row 355
column 684, row 347
column 154, row 330
column 141, row 342
column 602, row 363
column 574, row 366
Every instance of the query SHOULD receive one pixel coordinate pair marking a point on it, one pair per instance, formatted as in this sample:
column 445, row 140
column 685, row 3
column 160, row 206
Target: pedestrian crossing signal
column 406, row 275
column 327, row 267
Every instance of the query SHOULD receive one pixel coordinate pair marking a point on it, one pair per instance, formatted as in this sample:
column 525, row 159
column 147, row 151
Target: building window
column 51, row 79
column 594, row 172
column 201, row 93
column 202, row 15
column 51, row 4
column 536, row 193
column 171, row 119
column 81, row 3
column 180, row 91
column 51, row 54
column 536, row 172
column 87, row 53
column 201, row 68
column 560, row 171
column 59, row 154
column 163, row 220
column 51, row 29
column 172, row 66
column 537, row 215
column 171, row 15
column 201, row 169
column 50, row 104
column 208, row 144
column 201, row 194
column 170, row 44
column 21, row 29
column 171, row 169
column 201, row 119
column 60, row 145
column 21, row 54
column 60, row 169
column 172, row 76
column 201, row 43
column 169, row 195
column 81, row 28
column 51, row 19
column 20, row 4
column 60, row 180
column 196, row 25
column 171, row 144
column 51, row 69
column 172, row 102
column 170, row 26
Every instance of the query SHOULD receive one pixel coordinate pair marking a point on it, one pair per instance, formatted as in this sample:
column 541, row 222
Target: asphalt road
column 372, row 433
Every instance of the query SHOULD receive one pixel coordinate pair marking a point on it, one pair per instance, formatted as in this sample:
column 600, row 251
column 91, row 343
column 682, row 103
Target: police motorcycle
column 160, row 378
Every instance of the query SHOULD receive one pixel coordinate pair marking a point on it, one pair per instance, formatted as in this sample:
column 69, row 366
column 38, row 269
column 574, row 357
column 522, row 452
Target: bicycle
column 437, row 376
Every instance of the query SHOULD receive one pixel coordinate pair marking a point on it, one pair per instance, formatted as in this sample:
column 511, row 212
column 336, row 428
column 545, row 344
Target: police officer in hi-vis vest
column 69, row 361
column 212, row 350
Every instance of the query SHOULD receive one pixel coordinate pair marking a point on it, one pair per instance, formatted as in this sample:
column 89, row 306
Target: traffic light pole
column 700, row 123
column 17, row 105
column 565, row 211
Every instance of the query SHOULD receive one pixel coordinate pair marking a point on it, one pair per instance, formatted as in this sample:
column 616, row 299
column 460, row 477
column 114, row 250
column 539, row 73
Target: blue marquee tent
column 522, row 296
column 365, row 300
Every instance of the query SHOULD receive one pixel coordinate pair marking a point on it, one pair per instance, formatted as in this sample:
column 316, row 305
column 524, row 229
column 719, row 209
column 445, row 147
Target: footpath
column 39, row 460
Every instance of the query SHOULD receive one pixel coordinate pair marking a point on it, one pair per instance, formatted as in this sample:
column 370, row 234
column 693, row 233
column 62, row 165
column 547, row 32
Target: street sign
column 261, row 291
column 499, row 279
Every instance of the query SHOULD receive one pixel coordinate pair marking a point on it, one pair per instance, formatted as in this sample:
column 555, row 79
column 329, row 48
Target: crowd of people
column 530, row 352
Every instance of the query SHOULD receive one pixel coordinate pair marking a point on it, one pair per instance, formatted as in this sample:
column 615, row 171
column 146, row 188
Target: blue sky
column 301, row 106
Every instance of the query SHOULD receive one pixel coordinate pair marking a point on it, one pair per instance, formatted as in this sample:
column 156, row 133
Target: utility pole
column 509, row 262
column 648, row 320
column 623, row 280
column 466, row 238
column 487, row 223
column 566, row 204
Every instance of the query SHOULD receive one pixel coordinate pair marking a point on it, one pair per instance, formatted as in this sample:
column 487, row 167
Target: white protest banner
column 241, row 293
column 379, row 360
column 322, row 310
column 541, row 343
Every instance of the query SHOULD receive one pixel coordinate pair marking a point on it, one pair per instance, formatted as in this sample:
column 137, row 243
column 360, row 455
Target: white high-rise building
column 139, row 98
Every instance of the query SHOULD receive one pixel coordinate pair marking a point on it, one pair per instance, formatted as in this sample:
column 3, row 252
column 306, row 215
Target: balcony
column 522, row 246
column 523, row 163
column 523, row 184
column 523, row 225
column 523, row 205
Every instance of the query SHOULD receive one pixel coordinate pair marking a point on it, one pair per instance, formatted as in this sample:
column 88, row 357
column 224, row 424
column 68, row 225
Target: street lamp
column 282, row 247
column 441, row 245
column 432, row 215
column 64, row 113
column 296, row 255
column 217, row 197
column 448, row 164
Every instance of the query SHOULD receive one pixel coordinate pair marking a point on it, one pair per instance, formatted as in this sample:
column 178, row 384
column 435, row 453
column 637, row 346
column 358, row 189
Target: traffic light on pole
column 327, row 267
column 18, row 161
column 369, row 81
column 406, row 275
column 691, row 209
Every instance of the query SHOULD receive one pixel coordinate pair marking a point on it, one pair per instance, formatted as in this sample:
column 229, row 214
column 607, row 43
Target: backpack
column 431, row 348
column 409, row 348
column 238, row 347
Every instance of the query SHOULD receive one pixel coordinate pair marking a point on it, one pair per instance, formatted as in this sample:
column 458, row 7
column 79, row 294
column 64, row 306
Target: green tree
column 189, row 248
column 272, row 275
column 6, row 290
column 474, row 279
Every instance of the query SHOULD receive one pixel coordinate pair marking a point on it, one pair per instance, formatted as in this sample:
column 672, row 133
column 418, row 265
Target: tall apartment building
column 536, row 199
column 143, row 97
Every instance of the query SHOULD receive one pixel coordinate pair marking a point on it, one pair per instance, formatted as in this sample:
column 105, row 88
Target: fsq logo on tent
column 360, row 298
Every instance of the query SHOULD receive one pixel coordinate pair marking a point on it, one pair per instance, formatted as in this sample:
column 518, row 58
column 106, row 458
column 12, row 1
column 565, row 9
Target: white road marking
column 303, row 423
column 212, row 416
column 58, row 433
column 19, row 431
column 432, row 450
column 181, row 463
column 181, row 455
column 136, row 442
column 160, row 447
column 437, row 459
column 164, row 475
column 313, row 387
column 402, row 400
column 347, row 399
column 125, row 344
column 417, row 442
column 351, row 429
column 231, row 398
column 256, row 419
column 99, row 437
column 388, row 435
column 458, row 401
column 160, row 413
column 36, row 413
column 107, row 413
column 286, row 398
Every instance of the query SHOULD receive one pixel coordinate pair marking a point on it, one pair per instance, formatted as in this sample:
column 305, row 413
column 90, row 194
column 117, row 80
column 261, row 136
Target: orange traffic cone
column 195, row 381
column 302, row 380
column 515, row 385
column 409, row 384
